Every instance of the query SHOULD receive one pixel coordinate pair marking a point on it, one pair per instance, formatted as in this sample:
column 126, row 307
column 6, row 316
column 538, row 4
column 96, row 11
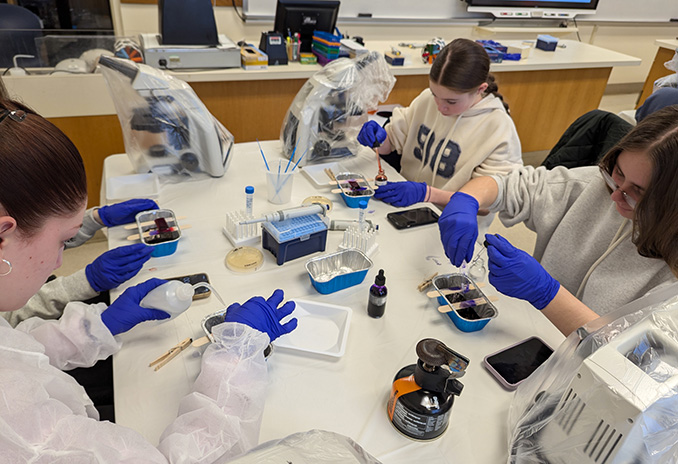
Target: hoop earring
column 9, row 265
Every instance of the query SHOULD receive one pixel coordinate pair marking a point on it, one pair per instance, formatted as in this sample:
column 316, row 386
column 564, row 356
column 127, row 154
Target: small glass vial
column 249, row 199
column 376, row 303
column 380, row 179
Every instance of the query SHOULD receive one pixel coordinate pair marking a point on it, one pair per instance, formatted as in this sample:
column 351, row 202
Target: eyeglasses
column 613, row 185
column 14, row 115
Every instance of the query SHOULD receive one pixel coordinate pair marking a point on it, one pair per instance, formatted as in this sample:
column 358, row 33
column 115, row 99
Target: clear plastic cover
column 609, row 394
column 312, row 447
column 672, row 79
column 166, row 128
column 331, row 107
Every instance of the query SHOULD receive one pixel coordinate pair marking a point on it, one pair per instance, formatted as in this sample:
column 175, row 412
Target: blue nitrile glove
column 125, row 312
column 264, row 315
column 371, row 134
column 125, row 212
column 515, row 273
column 401, row 193
column 459, row 228
column 117, row 266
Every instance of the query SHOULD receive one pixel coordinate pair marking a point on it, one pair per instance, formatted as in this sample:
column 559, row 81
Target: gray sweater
column 50, row 301
column 576, row 222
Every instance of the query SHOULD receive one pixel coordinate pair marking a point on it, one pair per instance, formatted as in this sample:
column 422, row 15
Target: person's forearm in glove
column 402, row 193
column 515, row 273
column 264, row 315
column 117, row 266
column 125, row 212
column 125, row 312
column 458, row 226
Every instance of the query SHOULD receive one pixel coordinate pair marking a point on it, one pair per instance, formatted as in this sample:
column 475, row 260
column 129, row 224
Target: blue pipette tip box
column 293, row 238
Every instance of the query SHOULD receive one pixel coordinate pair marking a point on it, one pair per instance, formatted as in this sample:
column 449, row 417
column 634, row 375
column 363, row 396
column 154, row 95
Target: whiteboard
column 440, row 10
column 379, row 9
column 634, row 11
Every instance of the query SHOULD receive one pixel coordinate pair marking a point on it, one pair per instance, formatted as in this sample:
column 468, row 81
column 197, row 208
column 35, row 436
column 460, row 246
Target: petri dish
column 244, row 259
column 318, row 199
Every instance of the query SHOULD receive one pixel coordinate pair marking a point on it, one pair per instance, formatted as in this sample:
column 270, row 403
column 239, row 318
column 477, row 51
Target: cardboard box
column 253, row 58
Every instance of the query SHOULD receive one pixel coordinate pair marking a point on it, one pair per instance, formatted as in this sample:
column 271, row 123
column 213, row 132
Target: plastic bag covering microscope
column 608, row 395
column 166, row 128
column 327, row 113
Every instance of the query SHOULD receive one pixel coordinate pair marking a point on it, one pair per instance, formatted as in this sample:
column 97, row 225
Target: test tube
column 249, row 199
column 361, row 215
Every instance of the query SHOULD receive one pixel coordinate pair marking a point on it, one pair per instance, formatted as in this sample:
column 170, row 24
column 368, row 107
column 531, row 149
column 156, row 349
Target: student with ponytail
column 457, row 129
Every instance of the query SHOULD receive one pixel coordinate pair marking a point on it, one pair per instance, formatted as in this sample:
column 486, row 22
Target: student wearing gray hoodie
column 455, row 130
column 606, row 235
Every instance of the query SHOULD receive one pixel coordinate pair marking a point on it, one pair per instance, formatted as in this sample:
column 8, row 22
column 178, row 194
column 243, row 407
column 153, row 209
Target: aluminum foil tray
column 337, row 271
column 468, row 319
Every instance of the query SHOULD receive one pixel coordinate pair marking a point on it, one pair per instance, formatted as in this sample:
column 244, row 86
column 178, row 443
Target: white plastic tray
column 316, row 174
column 132, row 186
column 322, row 329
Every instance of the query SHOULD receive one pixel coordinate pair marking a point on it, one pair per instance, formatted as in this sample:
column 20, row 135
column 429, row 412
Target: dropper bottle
column 173, row 297
column 376, row 304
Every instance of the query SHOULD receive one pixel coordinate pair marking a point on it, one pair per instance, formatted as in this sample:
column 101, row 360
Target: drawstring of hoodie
column 616, row 240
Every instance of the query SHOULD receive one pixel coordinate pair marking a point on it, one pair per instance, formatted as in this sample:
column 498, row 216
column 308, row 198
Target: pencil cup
column 279, row 182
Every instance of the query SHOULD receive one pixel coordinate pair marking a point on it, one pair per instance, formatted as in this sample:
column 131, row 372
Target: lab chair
column 19, row 28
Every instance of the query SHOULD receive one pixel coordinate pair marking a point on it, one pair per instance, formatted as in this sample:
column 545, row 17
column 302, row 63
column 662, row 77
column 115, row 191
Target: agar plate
column 244, row 259
column 322, row 329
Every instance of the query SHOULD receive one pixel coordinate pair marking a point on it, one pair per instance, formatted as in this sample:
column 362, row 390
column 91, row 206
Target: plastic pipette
column 290, row 213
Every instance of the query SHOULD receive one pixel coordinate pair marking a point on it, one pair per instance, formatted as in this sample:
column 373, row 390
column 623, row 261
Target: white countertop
column 667, row 43
column 61, row 95
column 347, row 395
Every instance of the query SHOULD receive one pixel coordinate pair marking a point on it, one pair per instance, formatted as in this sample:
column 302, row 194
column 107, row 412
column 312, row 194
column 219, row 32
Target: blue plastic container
column 354, row 188
column 337, row 271
column 293, row 238
column 164, row 243
column 547, row 43
column 485, row 312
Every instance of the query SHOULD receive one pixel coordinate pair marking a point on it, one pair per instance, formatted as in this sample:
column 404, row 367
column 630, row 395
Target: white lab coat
column 46, row 417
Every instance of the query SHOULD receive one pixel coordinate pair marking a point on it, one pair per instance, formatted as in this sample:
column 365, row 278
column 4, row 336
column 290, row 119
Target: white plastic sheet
column 166, row 128
column 326, row 115
column 609, row 394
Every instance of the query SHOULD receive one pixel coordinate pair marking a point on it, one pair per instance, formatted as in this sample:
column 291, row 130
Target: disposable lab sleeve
column 221, row 418
column 608, row 394
column 78, row 339
column 312, row 447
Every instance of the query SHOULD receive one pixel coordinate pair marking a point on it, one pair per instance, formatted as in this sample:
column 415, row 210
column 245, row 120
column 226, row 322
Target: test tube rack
column 362, row 239
column 241, row 234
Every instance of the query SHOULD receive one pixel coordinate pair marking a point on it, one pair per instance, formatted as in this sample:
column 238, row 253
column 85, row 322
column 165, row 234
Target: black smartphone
column 412, row 217
column 513, row 364
column 200, row 292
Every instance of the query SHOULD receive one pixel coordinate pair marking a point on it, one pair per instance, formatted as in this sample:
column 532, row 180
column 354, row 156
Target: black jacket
column 587, row 139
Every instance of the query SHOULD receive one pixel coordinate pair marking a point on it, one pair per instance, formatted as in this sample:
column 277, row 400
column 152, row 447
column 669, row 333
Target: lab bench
column 346, row 394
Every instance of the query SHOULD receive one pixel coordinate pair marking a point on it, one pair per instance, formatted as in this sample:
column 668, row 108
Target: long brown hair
column 463, row 65
column 655, row 221
column 41, row 172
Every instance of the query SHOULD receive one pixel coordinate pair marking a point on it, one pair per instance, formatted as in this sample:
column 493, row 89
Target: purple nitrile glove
column 125, row 212
column 401, row 193
column 125, row 312
column 459, row 228
column 515, row 273
column 371, row 134
column 117, row 266
column 264, row 315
